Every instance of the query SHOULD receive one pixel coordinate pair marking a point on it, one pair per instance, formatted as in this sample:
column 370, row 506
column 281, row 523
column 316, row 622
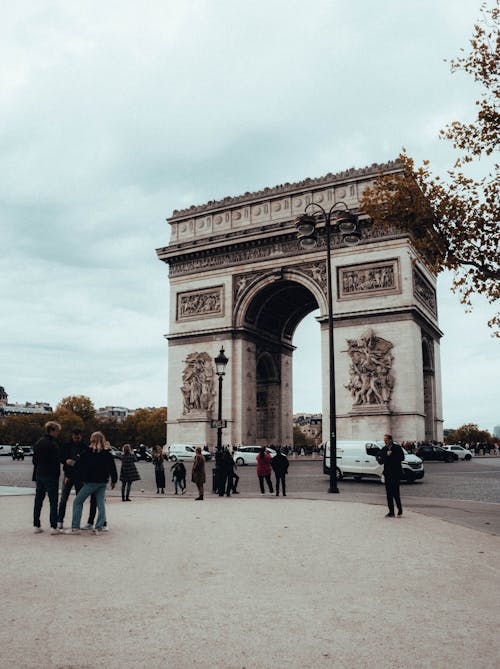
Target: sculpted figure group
column 371, row 380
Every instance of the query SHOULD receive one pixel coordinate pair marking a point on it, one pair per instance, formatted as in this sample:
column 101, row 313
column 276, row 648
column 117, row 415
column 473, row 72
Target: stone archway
column 266, row 315
column 239, row 278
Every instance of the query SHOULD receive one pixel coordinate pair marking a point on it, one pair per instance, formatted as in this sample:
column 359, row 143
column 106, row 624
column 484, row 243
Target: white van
column 184, row 452
column 358, row 459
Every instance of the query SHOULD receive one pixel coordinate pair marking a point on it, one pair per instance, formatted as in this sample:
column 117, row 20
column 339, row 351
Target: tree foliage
column 455, row 223
column 81, row 405
column 470, row 434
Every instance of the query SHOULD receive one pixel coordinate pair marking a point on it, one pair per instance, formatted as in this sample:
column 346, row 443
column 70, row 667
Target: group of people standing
column 86, row 468
column 226, row 478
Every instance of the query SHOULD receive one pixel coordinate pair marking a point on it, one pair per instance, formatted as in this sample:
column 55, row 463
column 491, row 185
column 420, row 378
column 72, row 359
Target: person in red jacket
column 264, row 469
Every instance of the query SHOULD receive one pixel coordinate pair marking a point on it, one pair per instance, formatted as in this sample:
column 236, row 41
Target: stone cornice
column 345, row 176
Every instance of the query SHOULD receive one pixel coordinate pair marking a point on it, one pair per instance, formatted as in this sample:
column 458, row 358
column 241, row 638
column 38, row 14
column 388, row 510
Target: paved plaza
column 260, row 583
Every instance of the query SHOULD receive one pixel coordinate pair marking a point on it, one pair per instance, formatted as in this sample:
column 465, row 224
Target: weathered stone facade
column 239, row 278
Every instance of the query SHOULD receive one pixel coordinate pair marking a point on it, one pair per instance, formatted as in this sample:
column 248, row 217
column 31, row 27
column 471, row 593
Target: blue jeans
column 50, row 486
column 88, row 488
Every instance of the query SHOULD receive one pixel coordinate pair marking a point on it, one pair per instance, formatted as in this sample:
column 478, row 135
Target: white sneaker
column 55, row 530
column 88, row 526
column 38, row 530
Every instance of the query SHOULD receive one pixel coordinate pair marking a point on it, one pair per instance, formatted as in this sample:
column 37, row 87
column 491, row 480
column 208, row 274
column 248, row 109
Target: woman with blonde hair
column 97, row 466
column 198, row 472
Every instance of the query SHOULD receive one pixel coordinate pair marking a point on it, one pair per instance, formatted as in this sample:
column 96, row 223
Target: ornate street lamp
column 220, row 369
column 347, row 224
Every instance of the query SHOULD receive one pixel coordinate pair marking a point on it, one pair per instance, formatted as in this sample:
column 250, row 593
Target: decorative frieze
column 371, row 381
column 424, row 292
column 284, row 246
column 368, row 280
column 204, row 303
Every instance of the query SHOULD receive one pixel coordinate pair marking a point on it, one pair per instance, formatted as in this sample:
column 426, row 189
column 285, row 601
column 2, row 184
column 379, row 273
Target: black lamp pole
column 220, row 367
column 347, row 224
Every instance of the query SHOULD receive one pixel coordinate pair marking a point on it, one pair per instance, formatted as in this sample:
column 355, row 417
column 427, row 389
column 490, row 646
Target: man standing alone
column 47, row 468
column 391, row 456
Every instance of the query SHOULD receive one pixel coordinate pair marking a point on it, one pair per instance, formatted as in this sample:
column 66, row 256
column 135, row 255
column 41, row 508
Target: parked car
column 247, row 455
column 5, row 449
column 184, row 452
column 431, row 452
column 463, row 453
column 116, row 453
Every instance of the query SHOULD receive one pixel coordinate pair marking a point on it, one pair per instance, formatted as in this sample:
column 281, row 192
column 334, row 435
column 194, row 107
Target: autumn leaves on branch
column 455, row 222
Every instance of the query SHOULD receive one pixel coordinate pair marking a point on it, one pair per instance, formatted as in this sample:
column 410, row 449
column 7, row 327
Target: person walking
column 234, row 473
column 264, row 469
column 280, row 465
column 158, row 462
column 46, row 471
column 97, row 465
column 198, row 472
column 179, row 476
column 391, row 456
column 227, row 464
column 70, row 459
column 128, row 472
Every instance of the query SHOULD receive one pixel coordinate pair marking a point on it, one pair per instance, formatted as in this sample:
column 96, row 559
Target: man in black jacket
column 391, row 456
column 280, row 467
column 70, row 459
column 46, row 462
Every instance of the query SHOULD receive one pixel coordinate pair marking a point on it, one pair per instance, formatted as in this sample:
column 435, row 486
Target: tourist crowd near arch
column 239, row 279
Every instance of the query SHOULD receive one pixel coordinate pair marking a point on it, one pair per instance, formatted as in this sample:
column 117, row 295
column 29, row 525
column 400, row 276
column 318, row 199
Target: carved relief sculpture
column 198, row 383
column 424, row 292
column 371, row 381
column 196, row 304
column 366, row 280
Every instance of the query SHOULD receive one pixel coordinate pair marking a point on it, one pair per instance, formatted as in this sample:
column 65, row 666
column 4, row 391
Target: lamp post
column 348, row 225
column 220, row 369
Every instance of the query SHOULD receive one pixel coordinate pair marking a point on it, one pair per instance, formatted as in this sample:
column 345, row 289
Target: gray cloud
column 112, row 115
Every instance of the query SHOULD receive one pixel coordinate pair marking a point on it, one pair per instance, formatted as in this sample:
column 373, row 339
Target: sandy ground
column 237, row 583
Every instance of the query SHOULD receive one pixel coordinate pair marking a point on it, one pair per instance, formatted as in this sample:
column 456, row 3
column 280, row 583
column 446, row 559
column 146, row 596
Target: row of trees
column 471, row 434
column 145, row 426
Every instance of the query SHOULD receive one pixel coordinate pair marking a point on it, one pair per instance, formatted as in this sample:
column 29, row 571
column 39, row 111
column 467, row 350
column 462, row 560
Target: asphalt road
column 467, row 493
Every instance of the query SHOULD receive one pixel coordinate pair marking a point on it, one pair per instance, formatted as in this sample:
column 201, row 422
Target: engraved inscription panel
column 368, row 280
column 205, row 303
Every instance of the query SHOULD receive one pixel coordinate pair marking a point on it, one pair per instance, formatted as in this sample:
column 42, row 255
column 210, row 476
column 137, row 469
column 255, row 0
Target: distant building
column 310, row 424
column 496, row 431
column 118, row 413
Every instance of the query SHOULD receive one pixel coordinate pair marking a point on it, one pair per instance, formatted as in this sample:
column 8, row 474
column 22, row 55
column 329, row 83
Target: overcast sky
column 114, row 114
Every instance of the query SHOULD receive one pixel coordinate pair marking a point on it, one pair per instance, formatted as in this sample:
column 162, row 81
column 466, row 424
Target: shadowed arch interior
column 279, row 308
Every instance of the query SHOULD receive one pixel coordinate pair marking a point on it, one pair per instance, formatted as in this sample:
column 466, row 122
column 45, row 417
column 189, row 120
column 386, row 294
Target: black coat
column 97, row 466
column 129, row 471
column 46, row 458
column 72, row 451
column 392, row 463
column 280, row 464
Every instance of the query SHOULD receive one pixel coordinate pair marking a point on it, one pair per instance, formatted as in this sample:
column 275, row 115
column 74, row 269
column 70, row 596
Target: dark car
column 436, row 453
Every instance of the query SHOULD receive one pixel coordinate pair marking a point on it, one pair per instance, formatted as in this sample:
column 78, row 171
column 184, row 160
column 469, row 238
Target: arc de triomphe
column 239, row 279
